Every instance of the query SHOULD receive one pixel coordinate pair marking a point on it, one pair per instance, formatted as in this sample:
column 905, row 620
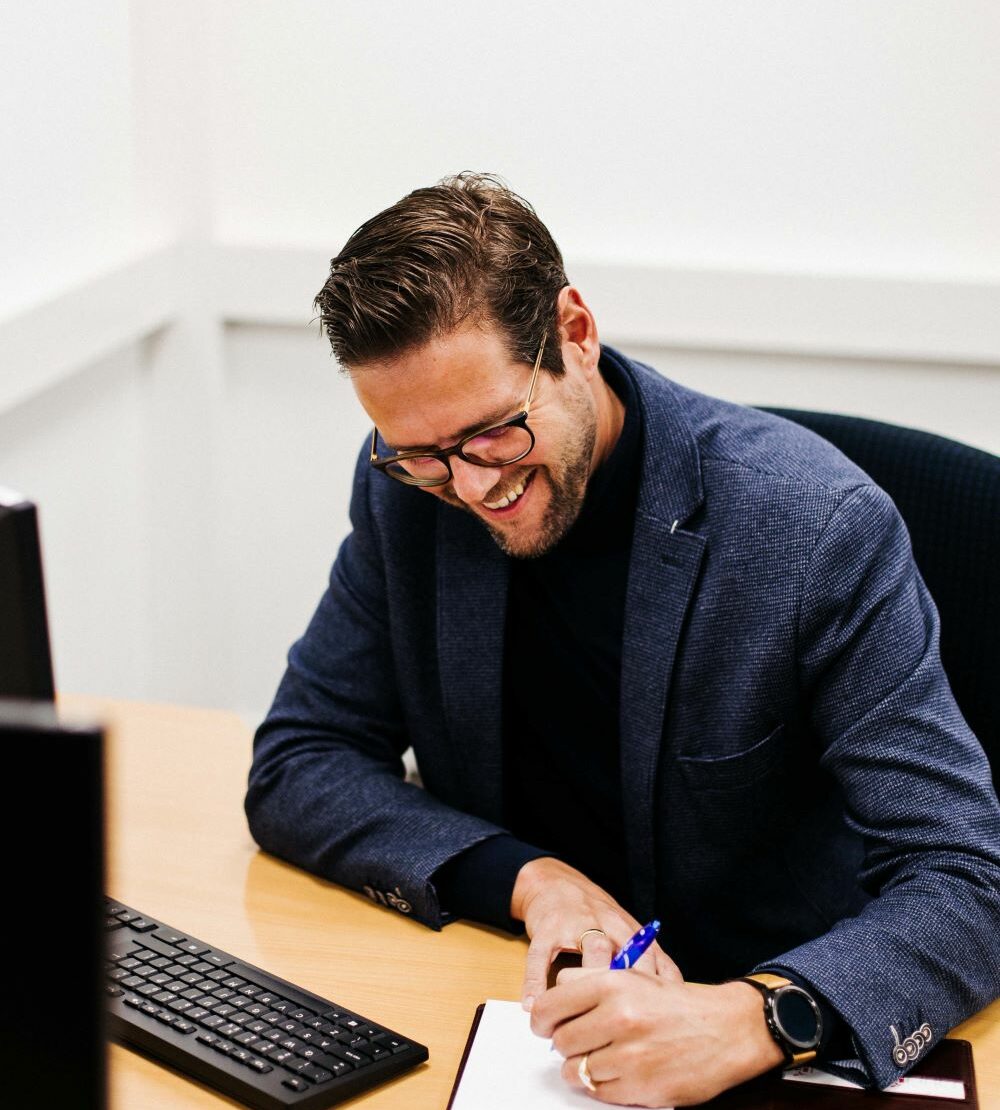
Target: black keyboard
column 252, row 1036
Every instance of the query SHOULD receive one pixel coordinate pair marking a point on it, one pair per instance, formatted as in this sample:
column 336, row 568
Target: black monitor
column 52, row 1024
column 25, row 658
column 52, row 1052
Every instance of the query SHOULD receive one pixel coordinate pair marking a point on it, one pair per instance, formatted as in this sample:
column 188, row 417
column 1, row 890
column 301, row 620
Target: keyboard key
column 383, row 1040
column 317, row 1075
column 168, row 936
column 295, row 1084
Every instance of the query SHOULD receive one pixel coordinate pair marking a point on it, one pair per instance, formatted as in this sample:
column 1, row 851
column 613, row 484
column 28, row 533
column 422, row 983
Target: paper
column 509, row 1068
column 908, row 1085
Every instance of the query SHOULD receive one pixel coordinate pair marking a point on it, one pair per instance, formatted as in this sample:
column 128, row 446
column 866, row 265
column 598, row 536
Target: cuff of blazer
column 479, row 882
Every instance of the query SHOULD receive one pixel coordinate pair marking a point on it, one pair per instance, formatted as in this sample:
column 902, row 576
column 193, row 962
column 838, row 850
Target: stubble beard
column 567, row 481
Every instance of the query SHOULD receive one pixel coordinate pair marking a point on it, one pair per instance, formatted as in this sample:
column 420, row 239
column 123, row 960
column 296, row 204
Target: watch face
column 797, row 1016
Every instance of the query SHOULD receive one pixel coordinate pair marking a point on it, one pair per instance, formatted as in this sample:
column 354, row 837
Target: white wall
column 784, row 202
column 831, row 137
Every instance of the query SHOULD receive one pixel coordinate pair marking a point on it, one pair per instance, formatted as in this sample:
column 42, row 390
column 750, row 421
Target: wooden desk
column 179, row 849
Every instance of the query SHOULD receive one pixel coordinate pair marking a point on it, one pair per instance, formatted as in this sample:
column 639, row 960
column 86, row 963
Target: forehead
column 434, row 392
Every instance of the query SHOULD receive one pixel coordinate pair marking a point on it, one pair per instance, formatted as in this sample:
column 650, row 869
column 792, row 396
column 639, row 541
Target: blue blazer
column 802, row 790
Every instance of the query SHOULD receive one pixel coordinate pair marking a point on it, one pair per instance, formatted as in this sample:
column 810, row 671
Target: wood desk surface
column 179, row 849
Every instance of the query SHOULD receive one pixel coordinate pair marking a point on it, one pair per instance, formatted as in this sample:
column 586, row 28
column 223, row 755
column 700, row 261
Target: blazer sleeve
column 924, row 954
column 326, row 787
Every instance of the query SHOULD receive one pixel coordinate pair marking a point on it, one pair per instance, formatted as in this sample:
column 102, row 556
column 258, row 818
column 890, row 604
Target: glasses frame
column 520, row 420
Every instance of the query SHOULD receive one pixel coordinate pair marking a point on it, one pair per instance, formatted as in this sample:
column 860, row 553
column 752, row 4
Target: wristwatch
column 792, row 1016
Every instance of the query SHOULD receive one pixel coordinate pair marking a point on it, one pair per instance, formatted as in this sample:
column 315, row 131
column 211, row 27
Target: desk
column 179, row 849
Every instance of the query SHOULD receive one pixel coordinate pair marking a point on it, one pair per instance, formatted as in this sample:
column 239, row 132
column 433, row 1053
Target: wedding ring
column 584, row 1074
column 586, row 933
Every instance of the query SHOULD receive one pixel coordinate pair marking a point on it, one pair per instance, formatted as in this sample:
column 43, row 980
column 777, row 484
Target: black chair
column 949, row 496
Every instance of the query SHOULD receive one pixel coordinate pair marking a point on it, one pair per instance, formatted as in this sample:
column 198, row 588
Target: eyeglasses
column 495, row 445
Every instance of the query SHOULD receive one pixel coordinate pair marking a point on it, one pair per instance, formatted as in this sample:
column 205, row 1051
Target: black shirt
column 561, row 685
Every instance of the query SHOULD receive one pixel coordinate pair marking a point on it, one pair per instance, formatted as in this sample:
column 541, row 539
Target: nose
column 472, row 483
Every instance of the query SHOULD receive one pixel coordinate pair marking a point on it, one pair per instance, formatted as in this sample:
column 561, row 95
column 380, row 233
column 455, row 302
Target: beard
column 567, row 479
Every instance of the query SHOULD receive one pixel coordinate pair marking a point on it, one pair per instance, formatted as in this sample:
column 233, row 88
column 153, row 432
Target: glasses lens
column 420, row 468
column 499, row 445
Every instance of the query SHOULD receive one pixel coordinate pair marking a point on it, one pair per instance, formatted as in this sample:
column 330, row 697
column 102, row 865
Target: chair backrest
column 949, row 497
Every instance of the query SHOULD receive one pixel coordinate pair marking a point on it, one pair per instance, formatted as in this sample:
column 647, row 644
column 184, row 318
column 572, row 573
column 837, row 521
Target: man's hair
column 467, row 248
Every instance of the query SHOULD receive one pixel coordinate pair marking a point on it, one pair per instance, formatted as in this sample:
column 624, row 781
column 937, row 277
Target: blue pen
column 634, row 947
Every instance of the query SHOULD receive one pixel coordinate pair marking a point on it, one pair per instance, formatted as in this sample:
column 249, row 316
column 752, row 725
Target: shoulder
column 738, row 446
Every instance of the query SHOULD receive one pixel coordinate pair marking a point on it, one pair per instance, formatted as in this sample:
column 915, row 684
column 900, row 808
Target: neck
column 610, row 421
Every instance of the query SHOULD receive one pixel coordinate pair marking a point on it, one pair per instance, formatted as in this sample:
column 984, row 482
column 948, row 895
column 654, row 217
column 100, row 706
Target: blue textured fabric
column 802, row 791
column 949, row 496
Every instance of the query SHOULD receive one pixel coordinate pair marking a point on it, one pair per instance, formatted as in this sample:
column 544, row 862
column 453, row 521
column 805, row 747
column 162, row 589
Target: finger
column 664, row 966
column 597, row 1068
column 586, row 1033
column 596, row 949
column 568, row 974
column 536, row 970
column 579, row 994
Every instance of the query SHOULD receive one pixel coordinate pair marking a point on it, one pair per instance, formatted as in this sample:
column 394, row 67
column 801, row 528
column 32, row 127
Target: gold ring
column 587, row 932
column 584, row 1074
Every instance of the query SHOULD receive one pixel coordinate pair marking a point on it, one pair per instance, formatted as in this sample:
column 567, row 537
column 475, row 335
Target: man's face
column 432, row 396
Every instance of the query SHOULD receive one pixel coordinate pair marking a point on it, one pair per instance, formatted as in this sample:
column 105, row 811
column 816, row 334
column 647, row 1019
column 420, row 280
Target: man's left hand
column 654, row 1041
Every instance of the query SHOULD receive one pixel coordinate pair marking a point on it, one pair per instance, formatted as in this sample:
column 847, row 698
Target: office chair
column 949, row 496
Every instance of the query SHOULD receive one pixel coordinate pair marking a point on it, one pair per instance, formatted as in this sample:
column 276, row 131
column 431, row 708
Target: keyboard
column 252, row 1036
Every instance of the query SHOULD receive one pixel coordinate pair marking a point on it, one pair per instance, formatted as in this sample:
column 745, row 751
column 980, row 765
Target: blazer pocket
column 734, row 772
column 736, row 802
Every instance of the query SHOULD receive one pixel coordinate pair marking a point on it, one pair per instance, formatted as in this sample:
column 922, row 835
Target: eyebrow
column 496, row 417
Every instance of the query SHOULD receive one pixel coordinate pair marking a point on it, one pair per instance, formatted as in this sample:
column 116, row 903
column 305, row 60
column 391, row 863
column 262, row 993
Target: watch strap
column 767, row 983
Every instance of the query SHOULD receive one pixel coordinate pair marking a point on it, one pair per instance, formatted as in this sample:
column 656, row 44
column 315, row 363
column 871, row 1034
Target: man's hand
column 655, row 1041
column 557, row 905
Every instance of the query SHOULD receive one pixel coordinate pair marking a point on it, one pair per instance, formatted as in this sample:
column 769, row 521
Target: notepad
column 506, row 1066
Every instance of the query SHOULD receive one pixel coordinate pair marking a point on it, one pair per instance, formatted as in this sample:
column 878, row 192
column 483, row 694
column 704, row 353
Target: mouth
column 512, row 501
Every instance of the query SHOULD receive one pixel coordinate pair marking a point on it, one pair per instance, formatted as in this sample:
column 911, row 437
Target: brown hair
column 466, row 248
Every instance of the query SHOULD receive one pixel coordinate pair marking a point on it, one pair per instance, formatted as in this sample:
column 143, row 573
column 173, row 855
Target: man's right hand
column 558, row 904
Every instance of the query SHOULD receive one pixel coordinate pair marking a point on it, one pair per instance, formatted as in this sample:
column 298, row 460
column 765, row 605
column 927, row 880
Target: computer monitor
column 25, row 658
column 52, row 1048
column 52, row 1023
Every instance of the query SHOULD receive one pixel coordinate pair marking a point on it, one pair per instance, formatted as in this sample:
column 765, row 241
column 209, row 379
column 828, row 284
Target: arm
column 326, row 787
column 923, row 954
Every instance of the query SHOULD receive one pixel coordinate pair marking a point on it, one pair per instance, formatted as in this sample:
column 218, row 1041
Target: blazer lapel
column 472, row 606
column 663, row 574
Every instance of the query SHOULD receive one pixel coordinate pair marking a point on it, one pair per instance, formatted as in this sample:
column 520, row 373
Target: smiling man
column 657, row 655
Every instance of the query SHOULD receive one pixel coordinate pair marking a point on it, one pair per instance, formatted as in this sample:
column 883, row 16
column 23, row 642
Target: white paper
column 908, row 1085
column 509, row 1068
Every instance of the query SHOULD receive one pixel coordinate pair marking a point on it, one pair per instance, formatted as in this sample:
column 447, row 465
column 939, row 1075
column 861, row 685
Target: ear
column 581, row 346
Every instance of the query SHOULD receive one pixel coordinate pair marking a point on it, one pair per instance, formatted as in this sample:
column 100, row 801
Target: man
column 657, row 655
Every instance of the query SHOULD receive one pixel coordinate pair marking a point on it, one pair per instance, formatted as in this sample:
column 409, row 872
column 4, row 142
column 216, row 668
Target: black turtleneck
column 562, row 667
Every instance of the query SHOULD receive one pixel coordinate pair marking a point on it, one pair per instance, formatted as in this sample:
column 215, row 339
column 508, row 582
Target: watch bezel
column 772, row 1001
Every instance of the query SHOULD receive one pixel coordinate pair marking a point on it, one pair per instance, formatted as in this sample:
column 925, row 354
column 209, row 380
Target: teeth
column 507, row 499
